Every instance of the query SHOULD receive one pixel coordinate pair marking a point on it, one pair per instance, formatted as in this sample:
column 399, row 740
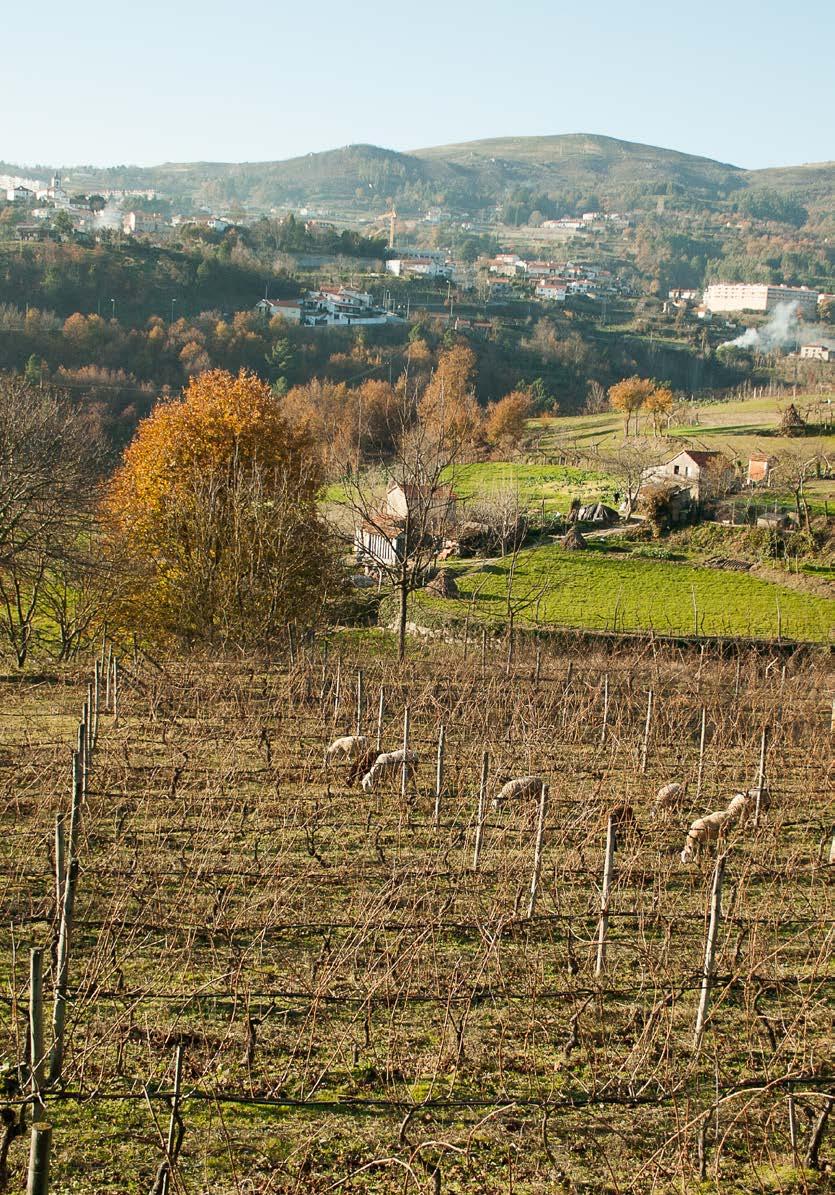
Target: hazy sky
column 747, row 82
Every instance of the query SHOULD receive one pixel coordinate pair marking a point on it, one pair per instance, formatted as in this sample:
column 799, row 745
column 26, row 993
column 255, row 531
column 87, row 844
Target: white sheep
column 348, row 747
column 518, row 789
column 389, row 764
column 668, row 797
column 740, row 806
column 703, row 831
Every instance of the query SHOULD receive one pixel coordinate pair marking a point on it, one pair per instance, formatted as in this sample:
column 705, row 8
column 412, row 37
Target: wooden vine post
column 605, row 725
column 36, row 1042
column 37, row 1182
column 404, row 771
column 710, row 949
column 481, row 809
column 761, row 775
column 381, row 709
column 603, row 924
column 439, row 777
column 537, row 850
column 647, row 729
column 701, row 771
column 360, row 700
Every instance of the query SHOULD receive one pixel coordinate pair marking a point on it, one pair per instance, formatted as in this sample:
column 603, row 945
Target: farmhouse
column 289, row 309
column 418, row 267
column 379, row 540
column 704, row 474
column 20, row 194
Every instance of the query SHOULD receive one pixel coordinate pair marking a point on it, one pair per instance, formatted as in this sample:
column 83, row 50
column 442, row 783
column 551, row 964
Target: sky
column 752, row 83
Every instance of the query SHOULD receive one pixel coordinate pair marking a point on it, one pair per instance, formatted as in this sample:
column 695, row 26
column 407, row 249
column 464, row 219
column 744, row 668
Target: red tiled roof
column 703, row 458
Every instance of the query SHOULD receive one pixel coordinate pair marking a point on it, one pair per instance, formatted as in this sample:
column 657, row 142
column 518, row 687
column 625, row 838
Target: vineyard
column 226, row 969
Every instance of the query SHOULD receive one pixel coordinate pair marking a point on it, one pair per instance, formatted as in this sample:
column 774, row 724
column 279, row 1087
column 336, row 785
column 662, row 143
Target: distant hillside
column 567, row 171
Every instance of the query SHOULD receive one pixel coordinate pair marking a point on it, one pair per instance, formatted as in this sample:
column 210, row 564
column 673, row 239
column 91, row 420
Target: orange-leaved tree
column 628, row 396
column 507, row 418
column 213, row 514
column 448, row 406
column 659, row 403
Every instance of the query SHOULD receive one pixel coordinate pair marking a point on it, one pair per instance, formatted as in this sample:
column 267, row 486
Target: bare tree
column 794, row 468
column 47, row 482
column 398, row 536
column 628, row 464
column 503, row 517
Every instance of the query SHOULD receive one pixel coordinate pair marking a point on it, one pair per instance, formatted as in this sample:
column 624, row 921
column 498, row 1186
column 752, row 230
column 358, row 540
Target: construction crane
column 391, row 216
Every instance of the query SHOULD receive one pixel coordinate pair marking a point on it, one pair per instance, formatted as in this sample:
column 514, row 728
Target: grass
column 551, row 485
column 736, row 428
column 604, row 591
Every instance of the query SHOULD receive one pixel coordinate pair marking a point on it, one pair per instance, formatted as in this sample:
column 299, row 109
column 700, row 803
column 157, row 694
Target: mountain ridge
column 569, row 168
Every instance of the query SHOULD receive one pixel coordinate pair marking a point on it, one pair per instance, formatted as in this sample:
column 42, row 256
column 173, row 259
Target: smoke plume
column 785, row 329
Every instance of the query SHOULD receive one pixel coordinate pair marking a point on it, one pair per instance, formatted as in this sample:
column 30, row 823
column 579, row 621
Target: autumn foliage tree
column 213, row 513
column 507, row 418
column 659, row 404
column 628, row 396
column 448, row 407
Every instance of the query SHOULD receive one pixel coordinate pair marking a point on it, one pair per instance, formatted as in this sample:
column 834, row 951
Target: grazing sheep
column 668, row 797
column 388, row 765
column 742, row 805
column 703, row 831
column 347, row 747
column 518, row 789
column 739, row 806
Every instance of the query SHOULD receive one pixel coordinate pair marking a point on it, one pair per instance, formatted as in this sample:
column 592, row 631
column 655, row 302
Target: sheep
column 743, row 804
column 668, row 797
column 518, row 789
column 389, row 764
column 347, row 747
column 739, row 807
column 703, row 830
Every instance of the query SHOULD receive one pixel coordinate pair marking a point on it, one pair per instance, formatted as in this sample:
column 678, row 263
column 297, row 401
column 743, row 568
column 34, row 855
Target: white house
column 418, row 267
column 817, row 352
column 289, row 309
column 553, row 289
column 705, row 474
column 340, row 306
column 20, row 194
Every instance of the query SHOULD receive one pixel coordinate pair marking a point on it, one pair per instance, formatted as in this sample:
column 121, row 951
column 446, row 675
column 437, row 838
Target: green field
column 553, row 485
column 607, row 591
column 736, row 428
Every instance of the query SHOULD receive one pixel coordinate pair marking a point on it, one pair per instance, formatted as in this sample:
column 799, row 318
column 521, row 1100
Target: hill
column 568, row 169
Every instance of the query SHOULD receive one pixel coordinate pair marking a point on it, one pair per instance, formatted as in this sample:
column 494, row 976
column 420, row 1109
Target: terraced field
column 608, row 591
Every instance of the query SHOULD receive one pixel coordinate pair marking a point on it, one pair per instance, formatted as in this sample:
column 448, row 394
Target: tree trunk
column 403, row 586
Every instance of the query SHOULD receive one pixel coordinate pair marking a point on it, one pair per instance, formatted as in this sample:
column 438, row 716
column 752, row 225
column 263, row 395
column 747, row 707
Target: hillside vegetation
column 474, row 175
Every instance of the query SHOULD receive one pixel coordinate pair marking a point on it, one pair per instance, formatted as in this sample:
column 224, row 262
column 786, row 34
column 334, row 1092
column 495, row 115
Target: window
column 675, row 468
